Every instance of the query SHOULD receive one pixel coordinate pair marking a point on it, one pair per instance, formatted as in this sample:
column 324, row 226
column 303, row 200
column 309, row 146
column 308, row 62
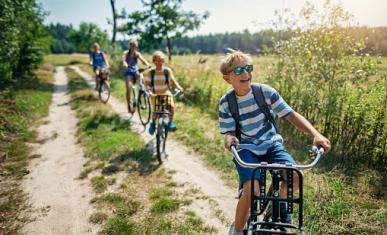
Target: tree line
column 67, row 39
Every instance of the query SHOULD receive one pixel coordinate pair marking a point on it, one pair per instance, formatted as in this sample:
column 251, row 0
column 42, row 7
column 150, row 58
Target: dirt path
column 190, row 170
column 60, row 202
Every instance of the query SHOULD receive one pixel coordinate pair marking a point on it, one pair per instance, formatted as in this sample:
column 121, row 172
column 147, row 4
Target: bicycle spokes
column 104, row 91
column 144, row 107
column 161, row 138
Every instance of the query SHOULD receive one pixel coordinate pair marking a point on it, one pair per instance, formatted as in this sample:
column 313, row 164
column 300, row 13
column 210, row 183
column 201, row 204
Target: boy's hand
column 230, row 139
column 320, row 140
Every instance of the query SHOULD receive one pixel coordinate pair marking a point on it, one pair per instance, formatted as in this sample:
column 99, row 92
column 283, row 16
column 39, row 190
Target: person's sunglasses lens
column 238, row 70
column 249, row 68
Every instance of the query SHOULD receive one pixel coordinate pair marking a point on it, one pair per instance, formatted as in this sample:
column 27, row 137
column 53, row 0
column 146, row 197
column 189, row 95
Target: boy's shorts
column 130, row 75
column 275, row 154
column 156, row 107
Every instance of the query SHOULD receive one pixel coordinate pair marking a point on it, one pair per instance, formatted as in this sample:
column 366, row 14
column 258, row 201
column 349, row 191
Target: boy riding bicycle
column 258, row 138
column 158, row 80
column 99, row 61
column 129, row 61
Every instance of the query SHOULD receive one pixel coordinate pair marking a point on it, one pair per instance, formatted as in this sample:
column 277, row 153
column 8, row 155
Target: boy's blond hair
column 158, row 55
column 231, row 59
column 96, row 45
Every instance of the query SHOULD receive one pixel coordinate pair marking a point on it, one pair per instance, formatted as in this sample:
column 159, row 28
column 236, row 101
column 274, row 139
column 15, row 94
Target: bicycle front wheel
column 132, row 101
column 104, row 91
column 161, row 139
column 144, row 108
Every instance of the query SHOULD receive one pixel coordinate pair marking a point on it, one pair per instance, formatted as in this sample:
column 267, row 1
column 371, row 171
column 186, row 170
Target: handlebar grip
column 233, row 145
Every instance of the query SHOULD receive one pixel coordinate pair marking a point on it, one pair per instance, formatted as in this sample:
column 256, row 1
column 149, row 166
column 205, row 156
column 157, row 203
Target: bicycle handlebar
column 176, row 92
column 141, row 70
column 317, row 151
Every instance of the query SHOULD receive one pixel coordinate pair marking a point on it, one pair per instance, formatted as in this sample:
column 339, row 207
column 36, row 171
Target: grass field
column 336, row 200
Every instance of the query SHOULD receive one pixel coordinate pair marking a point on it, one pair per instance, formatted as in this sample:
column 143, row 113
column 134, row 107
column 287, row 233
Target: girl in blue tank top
column 98, row 61
column 129, row 61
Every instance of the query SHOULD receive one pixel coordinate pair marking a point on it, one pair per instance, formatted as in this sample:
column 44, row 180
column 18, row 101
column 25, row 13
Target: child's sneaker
column 151, row 128
column 285, row 216
column 171, row 126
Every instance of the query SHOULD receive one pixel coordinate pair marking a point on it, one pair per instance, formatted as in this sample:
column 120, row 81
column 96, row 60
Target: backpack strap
column 233, row 106
column 152, row 73
column 263, row 106
column 166, row 75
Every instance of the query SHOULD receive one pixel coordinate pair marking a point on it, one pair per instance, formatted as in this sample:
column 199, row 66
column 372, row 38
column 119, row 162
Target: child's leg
column 153, row 107
column 278, row 154
column 129, row 84
column 171, row 112
column 96, row 77
column 244, row 203
column 245, row 178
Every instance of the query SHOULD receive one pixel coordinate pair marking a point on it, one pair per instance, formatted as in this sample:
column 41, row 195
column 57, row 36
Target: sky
column 225, row 15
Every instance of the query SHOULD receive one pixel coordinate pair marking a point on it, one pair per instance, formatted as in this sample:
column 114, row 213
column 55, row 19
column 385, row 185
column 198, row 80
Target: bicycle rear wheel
column 144, row 108
column 104, row 91
column 161, row 139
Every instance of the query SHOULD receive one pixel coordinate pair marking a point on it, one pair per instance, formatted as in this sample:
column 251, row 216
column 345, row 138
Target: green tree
column 61, row 42
column 23, row 40
column 162, row 19
column 88, row 34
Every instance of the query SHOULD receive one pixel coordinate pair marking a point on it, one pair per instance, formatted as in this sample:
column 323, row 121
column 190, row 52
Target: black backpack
column 153, row 72
column 259, row 98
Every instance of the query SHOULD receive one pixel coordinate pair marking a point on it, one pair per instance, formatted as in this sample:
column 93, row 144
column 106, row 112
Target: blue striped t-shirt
column 255, row 135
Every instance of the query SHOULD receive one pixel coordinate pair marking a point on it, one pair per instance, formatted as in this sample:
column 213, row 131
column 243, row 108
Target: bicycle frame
column 263, row 197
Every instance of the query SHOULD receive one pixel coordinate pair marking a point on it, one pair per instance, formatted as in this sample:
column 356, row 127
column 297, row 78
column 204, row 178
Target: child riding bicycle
column 244, row 121
column 129, row 60
column 99, row 61
column 158, row 80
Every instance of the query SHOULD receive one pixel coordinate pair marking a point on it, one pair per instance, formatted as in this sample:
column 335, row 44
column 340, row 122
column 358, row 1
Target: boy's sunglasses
column 239, row 70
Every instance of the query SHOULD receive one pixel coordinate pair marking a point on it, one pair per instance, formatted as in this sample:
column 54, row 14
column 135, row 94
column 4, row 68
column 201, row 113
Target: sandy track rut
column 188, row 166
column 60, row 202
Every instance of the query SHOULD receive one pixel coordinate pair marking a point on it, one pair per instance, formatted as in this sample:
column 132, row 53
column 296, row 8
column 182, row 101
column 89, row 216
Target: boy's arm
column 227, row 124
column 304, row 125
column 174, row 83
column 90, row 59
